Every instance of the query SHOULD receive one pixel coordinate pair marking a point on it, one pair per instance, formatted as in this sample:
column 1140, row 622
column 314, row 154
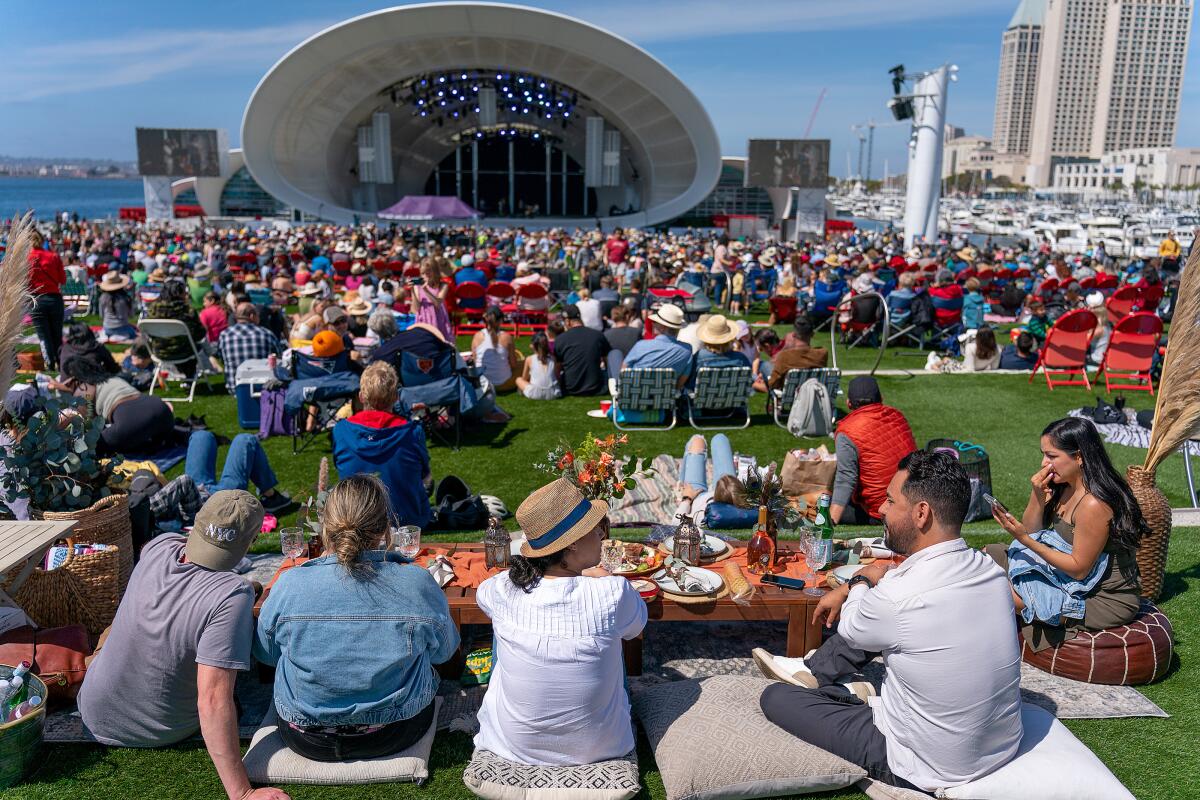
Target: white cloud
column 48, row 70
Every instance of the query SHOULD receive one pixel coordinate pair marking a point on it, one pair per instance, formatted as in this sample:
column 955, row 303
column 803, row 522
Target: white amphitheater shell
column 299, row 128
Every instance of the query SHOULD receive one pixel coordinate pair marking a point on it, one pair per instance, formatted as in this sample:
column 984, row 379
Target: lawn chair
column 784, row 309
column 1151, row 296
column 826, row 297
column 947, row 316
column 1065, row 350
column 190, row 369
column 528, row 296
column 433, row 380
column 1131, row 351
column 650, row 391
column 721, row 393
column 899, row 319
column 322, row 385
column 1122, row 303
column 470, row 315
column 867, row 313
column 781, row 399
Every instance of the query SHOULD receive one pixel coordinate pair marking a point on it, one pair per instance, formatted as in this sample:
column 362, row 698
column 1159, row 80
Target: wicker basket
column 84, row 590
column 19, row 740
column 105, row 521
column 1152, row 550
column 974, row 461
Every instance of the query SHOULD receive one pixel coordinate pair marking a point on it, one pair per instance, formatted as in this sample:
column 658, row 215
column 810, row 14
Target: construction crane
column 868, row 139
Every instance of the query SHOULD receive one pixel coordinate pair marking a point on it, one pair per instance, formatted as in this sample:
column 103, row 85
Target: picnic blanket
column 1129, row 434
column 652, row 501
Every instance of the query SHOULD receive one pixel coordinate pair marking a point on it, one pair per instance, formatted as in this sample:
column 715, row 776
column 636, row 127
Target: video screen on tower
column 179, row 152
column 803, row 163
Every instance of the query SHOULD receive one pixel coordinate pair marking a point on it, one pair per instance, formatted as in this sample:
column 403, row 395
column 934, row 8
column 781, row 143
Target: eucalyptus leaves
column 53, row 461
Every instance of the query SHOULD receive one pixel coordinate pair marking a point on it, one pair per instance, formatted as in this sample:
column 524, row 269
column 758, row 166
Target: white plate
column 711, row 580
column 596, row 413
column 846, row 572
column 717, row 545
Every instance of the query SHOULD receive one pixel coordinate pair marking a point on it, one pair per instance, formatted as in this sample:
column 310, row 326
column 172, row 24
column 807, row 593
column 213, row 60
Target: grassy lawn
column 1155, row 758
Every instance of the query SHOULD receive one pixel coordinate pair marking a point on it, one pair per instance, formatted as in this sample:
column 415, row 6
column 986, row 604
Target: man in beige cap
column 166, row 667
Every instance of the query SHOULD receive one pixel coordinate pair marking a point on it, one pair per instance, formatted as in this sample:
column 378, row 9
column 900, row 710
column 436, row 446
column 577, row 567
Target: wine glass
column 611, row 552
column 293, row 542
column 407, row 539
column 812, row 548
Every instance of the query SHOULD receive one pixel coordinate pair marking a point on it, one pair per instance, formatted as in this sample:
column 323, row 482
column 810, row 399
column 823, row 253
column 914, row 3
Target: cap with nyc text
column 225, row 527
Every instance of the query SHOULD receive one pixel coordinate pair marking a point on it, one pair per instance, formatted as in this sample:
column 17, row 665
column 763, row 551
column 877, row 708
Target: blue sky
column 77, row 79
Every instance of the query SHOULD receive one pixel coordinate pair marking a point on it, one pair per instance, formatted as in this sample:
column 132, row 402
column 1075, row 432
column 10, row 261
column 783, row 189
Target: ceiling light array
column 453, row 97
column 503, row 131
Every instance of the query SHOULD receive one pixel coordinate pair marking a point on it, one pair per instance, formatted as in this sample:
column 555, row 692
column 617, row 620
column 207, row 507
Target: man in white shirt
column 950, row 709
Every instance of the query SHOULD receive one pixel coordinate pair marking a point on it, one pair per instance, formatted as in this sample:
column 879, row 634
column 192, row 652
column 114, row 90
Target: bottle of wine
column 25, row 709
column 760, row 554
column 825, row 529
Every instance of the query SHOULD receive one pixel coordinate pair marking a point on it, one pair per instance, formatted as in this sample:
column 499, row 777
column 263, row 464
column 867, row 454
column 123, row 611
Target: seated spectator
column 900, row 299
column 589, row 310
column 559, row 621
column 329, row 345
column 377, row 441
column 718, row 336
column 539, row 376
column 1098, row 345
column 625, row 331
column 137, row 368
column 494, row 351
column 381, row 325
column 80, row 342
column 244, row 340
column 336, row 699
column 664, row 350
column 693, row 491
column 607, row 296
column 870, row 441
column 1022, row 354
column 980, row 352
column 948, row 303
column 828, row 291
column 245, row 463
column 358, row 312
column 800, row 355
column 174, row 303
column 783, row 304
column 166, row 668
column 1038, row 323
column 135, row 424
column 766, row 343
column 213, row 316
column 950, row 709
column 116, row 306
column 689, row 334
column 581, row 353
column 1072, row 296
column 973, row 305
column 470, row 273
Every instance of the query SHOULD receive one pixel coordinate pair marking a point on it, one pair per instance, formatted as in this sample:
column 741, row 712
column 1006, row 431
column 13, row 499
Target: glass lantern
column 496, row 545
column 687, row 541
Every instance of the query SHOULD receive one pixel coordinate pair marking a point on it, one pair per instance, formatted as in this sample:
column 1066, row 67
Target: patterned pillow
column 493, row 778
column 711, row 741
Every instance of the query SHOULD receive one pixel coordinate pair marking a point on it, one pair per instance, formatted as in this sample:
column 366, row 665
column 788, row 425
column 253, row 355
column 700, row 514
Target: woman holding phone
column 1072, row 563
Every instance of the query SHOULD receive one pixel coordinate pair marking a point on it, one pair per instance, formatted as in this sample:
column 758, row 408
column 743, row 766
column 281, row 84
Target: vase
column 1152, row 550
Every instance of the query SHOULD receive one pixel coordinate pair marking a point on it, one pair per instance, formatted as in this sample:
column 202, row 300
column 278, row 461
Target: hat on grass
column 225, row 527
column 668, row 315
column 717, row 330
column 556, row 516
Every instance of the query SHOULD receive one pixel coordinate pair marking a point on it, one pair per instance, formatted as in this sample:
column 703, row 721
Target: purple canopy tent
column 418, row 207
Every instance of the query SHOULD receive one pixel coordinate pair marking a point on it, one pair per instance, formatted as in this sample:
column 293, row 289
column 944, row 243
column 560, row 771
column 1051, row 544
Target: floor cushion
column 494, row 778
column 1051, row 764
column 269, row 760
column 711, row 741
column 1130, row 655
column 878, row 790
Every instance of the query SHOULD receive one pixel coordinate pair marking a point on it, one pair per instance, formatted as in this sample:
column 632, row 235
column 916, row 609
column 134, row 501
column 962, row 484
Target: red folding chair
column 1021, row 272
column 1047, row 288
column 531, row 294
column 1065, row 350
column 1131, row 351
column 469, row 319
column 1122, row 303
column 1151, row 296
column 396, row 268
column 1105, row 281
column 412, row 272
column 1087, row 283
column 501, row 294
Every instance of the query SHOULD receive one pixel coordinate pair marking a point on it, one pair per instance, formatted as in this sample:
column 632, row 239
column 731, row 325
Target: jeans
column 693, row 473
column 245, row 462
column 126, row 331
column 47, row 314
column 716, row 286
column 830, row 717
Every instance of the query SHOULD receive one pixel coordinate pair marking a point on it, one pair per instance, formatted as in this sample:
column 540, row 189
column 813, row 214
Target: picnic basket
column 84, row 590
column 19, row 740
column 971, row 457
column 105, row 521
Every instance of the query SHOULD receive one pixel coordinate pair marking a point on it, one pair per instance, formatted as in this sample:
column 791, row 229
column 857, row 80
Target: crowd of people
column 357, row 297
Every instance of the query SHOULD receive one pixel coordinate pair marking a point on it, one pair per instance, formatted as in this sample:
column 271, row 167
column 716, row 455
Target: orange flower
column 566, row 460
column 585, row 476
column 606, row 458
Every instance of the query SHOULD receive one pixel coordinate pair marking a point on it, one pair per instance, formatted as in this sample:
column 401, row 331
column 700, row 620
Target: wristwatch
column 857, row 579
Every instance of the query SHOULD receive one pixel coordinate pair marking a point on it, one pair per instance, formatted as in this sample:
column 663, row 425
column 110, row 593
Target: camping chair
column 650, row 391
column 947, row 315
column 721, row 393
column 1047, row 288
column 866, row 312
column 535, row 318
column 784, row 309
column 189, row 369
column 435, row 379
column 1151, row 294
column 259, row 296
column 781, row 399
column 826, row 297
column 1131, row 351
column 75, row 296
column 899, row 316
column 470, row 316
column 1065, row 350
column 1123, row 302
column 322, row 385
column 1106, row 282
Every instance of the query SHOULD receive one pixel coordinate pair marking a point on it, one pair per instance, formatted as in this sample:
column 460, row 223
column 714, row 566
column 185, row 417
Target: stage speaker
column 487, row 106
column 593, row 161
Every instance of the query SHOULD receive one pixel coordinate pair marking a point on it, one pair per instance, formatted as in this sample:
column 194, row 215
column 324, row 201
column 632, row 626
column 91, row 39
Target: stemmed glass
column 292, row 542
column 811, row 549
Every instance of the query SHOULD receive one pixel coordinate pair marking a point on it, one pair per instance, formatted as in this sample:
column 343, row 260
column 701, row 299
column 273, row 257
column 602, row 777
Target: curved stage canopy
column 301, row 129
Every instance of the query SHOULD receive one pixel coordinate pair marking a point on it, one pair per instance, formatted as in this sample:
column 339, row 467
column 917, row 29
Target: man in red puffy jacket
column 870, row 442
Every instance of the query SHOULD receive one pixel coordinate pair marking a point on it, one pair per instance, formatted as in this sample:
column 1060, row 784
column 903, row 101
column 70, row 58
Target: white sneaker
column 786, row 670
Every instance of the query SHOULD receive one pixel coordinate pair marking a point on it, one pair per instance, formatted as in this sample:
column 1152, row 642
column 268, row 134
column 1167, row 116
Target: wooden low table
column 770, row 603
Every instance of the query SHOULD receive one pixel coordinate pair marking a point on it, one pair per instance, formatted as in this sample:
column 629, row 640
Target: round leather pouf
column 1130, row 655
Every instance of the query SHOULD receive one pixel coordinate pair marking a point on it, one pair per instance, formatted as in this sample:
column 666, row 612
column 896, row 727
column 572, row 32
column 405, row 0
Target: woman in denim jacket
column 354, row 636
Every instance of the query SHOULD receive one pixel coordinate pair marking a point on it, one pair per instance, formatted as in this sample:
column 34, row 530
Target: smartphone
column 784, row 583
column 996, row 504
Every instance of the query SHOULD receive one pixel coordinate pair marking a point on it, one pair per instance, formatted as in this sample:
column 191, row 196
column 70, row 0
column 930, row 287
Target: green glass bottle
column 825, row 530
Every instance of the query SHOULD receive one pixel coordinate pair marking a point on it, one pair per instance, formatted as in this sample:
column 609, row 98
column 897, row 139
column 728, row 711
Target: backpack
column 273, row 419
column 457, row 507
column 812, row 411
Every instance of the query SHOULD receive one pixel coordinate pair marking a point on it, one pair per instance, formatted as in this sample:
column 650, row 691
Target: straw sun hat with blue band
column 555, row 517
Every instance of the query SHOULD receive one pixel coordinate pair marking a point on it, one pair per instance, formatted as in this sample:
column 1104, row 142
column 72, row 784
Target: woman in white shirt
column 590, row 311
column 539, row 379
column 493, row 350
column 557, row 693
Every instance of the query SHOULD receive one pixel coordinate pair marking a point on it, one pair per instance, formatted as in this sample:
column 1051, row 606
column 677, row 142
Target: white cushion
column 878, row 790
column 493, row 778
column 269, row 760
column 1051, row 764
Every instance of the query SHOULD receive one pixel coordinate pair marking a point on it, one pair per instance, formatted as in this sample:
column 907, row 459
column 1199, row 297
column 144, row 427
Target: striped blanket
column 652, row 501
column 1130, row 434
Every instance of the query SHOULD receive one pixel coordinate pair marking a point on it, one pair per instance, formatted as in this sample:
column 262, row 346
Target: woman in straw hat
column 557, row 694
column 717, row 337
column 116, row 306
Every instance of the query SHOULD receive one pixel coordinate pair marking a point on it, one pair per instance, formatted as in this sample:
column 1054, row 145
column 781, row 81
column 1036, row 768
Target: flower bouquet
column 597, row 466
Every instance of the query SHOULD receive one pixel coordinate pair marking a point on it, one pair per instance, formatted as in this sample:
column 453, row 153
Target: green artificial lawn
column 1155, row 758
